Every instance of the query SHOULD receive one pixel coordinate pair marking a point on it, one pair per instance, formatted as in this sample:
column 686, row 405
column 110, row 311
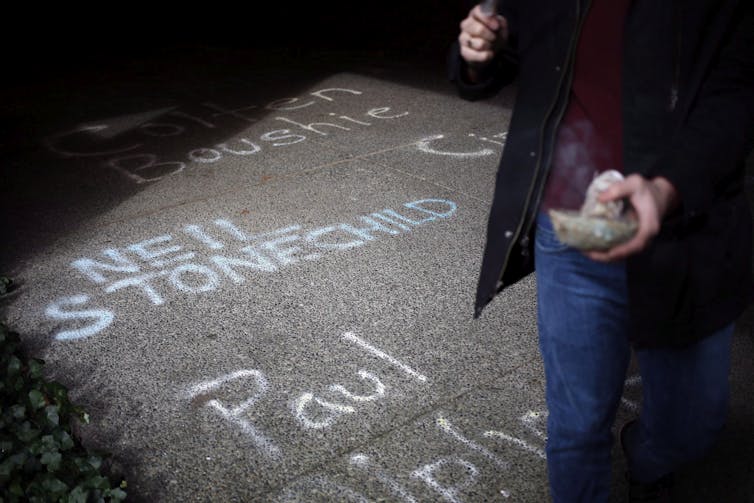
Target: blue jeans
column 582, row 316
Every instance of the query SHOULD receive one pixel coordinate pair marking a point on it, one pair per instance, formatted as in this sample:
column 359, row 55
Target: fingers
column 481, row 35
column 479, row 24
column 621, row 189
column 648, row 216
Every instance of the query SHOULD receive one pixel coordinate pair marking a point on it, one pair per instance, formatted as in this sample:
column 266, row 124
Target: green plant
column 40, row 460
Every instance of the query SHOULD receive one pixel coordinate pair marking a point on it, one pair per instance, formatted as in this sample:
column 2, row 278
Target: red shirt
column 590, row 137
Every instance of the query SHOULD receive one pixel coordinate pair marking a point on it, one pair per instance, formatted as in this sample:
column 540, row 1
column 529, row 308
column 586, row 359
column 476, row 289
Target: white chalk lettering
column 220, row 111
column 267, row 252
column 52, row 142
column 283, row 255
column 350, row 119
column 402, row 218
column 142, row 162
column 313, row 126
column 313, row 237
column 231, row 229
column 209, row 283
column 365, row 233
column 350, row 337
column 390, row 221
column 277, row 104
column 483, row 138
column 377, row 113
column 205, row 155
column 254, row 148
column 234, row 414
column 321, row 92
column 254, row 261
column 334, row 410
column 362, row 461
column 449, row 493
column 419, row 205
column 101, row 317
column 447, row 427
column 142, row 282
column 196, row 232
column 91, row 268
column 522, row 444
column 279, row 135
column 425, row 145
column 379, row 390
column 533, row 420
column 146, row 250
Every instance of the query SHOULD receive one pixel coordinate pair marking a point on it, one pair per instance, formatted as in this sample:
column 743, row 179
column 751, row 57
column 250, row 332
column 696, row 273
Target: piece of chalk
column 488, row 7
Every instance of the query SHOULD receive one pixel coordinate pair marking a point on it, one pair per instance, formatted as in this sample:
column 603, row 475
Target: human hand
column 651, row 201
column 481, row 37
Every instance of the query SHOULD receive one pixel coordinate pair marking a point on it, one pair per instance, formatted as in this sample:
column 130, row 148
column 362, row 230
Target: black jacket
column 688, row 115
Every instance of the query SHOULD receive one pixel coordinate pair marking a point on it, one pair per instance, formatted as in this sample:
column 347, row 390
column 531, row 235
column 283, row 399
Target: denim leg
column 582, row 314
column 684, row 405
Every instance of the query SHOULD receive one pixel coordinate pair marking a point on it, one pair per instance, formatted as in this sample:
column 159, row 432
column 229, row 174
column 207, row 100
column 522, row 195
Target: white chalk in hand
column 488, row 7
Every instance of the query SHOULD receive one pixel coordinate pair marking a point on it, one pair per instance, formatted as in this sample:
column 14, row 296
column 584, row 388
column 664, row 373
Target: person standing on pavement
column 664, row 93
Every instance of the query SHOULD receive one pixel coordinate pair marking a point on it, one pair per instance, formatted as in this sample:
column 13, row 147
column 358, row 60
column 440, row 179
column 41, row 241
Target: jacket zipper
column 675, row 88
column 527, row 222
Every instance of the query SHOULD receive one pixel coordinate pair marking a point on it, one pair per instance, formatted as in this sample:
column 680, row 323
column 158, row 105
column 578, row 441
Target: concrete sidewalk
column 258, row 280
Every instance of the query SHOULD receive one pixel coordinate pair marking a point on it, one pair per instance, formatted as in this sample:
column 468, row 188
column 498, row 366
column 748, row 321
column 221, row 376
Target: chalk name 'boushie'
column 201, row 259
column 133, row 152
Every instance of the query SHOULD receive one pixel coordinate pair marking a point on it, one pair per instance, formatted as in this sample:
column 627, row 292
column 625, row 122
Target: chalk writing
column 448, row 492
column 447, row 427
column 236, row 414
column 158, row 268
column 128, row 156
column 102, row 318
column 320, row 410
column 433, row 145
column 348, row 336
column 448, row 476
column 362, row 461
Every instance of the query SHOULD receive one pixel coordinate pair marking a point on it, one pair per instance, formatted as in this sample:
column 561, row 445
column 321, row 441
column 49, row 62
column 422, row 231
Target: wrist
column 666, row 194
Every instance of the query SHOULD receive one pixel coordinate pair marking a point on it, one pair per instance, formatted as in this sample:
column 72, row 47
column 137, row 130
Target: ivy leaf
column 117, row 494
column 51, row 411
column 95, row 461
column 49, row 444
column 65, row 440
column 35, row 368
column 37, row 399
column 78, row 495
column 14, row 366
column 54, row 485
column 18, row 411
column 98, row 482
column 51, row 460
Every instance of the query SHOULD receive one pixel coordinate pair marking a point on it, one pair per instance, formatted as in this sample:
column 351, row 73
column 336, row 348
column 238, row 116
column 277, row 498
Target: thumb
column 619, row 190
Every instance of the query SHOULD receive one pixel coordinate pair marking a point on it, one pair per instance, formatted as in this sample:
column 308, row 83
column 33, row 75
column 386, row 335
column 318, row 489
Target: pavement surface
column 256, row 273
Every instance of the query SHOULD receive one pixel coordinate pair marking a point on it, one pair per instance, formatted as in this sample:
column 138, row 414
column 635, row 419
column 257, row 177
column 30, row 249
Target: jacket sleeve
column 717, row 134
column 500, row 72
